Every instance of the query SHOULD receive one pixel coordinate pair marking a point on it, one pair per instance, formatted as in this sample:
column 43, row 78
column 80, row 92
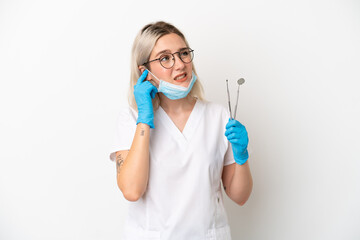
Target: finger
column 149, row 88
column 142, row 77
column 233, row 123
column 231, row 136
column 238, row 141
column 153, row 92
column 237, row 130
column 228, row 131
column 242, row 140
column 239, row 135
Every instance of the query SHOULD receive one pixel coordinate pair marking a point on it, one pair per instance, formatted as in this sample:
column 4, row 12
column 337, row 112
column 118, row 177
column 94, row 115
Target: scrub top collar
column 191, row 124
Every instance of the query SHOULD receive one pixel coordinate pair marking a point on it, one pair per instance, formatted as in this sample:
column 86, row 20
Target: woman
column 172, row 148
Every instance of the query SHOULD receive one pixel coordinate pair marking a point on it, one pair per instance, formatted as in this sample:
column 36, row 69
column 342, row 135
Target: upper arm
column 227, row 175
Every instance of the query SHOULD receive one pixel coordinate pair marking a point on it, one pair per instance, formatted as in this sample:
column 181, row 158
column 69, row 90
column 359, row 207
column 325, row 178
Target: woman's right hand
column 144, row 92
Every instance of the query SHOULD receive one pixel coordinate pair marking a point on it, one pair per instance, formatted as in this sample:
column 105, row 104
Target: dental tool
column 239, row 82
column 227, row 87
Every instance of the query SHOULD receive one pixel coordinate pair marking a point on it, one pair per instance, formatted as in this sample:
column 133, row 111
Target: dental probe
column 227, row 87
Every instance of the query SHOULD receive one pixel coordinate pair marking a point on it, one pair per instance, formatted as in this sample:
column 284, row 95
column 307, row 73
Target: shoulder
column 126, row 115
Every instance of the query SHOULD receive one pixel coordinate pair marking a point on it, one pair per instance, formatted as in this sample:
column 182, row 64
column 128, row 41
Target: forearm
column 134, row 174
column 241, row 184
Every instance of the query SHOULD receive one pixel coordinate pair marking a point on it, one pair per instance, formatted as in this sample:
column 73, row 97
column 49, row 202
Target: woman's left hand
column 237, row 135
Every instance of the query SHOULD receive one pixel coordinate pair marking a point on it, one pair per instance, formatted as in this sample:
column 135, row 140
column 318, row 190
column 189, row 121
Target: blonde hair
column 141, row 50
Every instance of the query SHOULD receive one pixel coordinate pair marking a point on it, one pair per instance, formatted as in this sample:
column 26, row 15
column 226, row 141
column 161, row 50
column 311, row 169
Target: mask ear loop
column 152, row 81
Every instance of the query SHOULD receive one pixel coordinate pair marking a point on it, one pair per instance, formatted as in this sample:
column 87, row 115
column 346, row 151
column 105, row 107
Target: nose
column 179, row 64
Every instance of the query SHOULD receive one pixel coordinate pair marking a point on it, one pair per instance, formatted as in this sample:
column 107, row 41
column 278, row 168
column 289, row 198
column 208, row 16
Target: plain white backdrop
column 64, row 71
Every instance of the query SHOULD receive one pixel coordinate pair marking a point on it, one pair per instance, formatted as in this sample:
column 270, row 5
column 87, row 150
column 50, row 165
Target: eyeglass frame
column 173, row 55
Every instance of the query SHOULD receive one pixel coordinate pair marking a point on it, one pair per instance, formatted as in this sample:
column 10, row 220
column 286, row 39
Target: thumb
column 142, row 77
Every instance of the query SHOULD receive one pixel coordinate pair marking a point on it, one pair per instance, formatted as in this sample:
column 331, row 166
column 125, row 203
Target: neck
column 178, row 105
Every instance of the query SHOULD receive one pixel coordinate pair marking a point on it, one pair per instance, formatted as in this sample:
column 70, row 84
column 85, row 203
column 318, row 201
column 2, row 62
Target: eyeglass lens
column 167, row 60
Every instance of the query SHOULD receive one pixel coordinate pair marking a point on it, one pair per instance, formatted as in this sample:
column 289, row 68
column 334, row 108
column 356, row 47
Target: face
column 180, row 73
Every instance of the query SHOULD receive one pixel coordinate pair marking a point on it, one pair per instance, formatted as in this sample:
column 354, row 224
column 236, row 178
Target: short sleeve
column 124, row 131
column 229, row 157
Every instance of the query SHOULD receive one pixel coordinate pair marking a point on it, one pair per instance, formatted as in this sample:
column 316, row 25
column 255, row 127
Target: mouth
column 181, row 77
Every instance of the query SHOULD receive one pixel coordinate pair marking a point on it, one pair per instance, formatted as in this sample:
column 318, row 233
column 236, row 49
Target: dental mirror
column 239, row 82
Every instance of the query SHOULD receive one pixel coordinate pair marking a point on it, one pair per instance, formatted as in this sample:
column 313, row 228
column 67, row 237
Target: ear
column 142, row 68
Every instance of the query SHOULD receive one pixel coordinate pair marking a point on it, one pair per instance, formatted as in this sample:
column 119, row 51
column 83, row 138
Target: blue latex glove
column 238, row 137
column 144, row 92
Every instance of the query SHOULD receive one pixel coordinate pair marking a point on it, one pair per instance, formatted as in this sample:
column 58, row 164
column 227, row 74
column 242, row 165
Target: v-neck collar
column 191, row 123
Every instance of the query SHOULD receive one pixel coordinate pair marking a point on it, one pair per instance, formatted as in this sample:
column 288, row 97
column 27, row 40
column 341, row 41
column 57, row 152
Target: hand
column 144, row 92
column 238, row 137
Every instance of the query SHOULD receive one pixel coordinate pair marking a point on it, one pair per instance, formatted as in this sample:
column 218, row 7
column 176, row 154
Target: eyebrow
column 167, row 50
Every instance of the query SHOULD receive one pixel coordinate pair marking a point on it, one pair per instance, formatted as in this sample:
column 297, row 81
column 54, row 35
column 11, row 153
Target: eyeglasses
column 167, row 60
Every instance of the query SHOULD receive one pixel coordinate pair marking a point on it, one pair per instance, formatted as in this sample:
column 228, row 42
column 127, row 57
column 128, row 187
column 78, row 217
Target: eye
column 165, row 58
column 185, row 53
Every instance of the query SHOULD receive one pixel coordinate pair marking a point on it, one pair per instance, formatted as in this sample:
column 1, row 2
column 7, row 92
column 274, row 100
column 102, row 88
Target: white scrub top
column 183, row 199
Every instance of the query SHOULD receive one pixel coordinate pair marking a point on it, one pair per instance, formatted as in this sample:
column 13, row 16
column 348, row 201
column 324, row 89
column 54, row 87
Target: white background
column 64, row 70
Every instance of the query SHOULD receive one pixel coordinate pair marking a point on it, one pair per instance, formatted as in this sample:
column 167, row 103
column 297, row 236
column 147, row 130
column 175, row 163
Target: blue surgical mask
column 173, row 91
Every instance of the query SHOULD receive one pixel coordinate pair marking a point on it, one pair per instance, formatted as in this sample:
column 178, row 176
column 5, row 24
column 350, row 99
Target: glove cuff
column 146, row 117
column 148, row 122
column 242, row 158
